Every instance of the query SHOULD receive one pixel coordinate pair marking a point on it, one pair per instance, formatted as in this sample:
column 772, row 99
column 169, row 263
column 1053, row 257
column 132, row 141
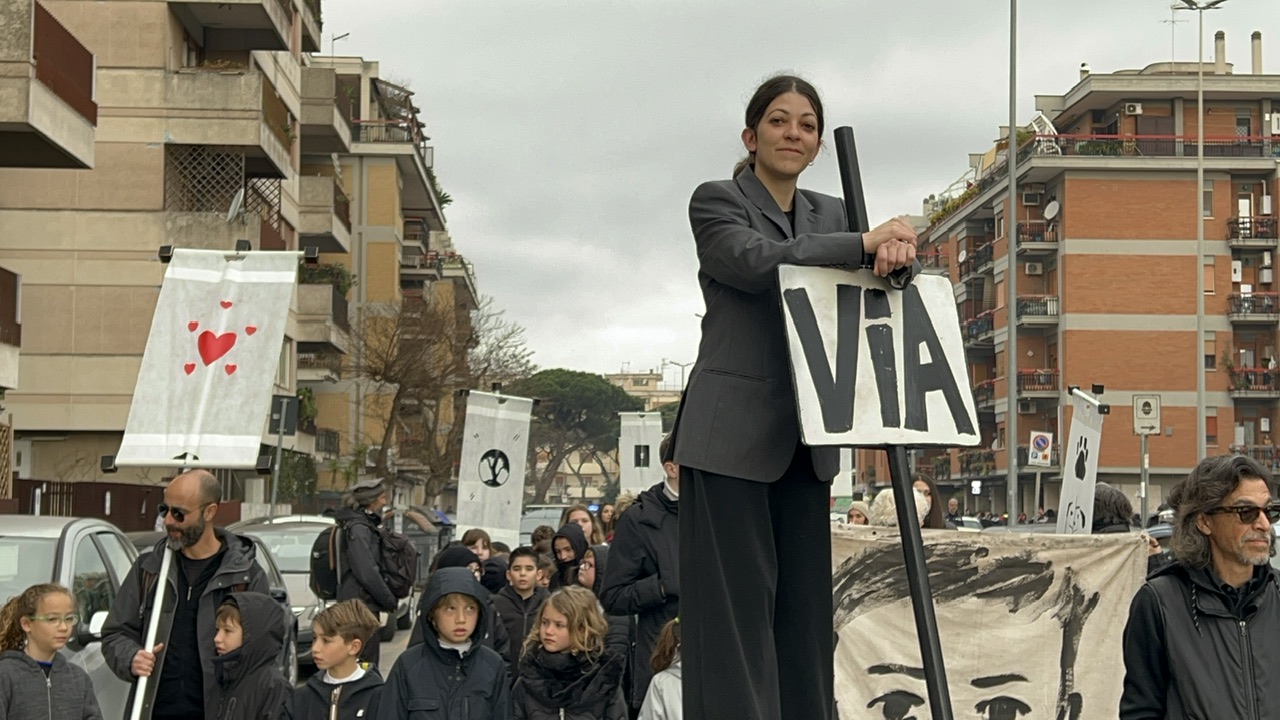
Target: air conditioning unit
column 1275, row 123
column 1030, row 199
column 1035, row 268
column 1266, row 276
column 1133, row 108
column 1026, row 407
column 1237, row 271
column 1266, row 258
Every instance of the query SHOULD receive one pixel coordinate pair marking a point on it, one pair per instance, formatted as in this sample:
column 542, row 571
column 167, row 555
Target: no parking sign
column 1041, row 449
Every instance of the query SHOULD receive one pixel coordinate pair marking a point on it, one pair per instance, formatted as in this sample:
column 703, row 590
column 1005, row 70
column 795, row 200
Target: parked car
column 90, row 557
column 536, row 515
column 290, row 538
column 145, row 542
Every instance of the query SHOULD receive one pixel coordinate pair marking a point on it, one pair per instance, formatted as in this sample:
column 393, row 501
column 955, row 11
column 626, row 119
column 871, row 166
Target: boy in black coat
column 249, row 640
column 449, row 676
column 517, row 603
column 342, row 683
column 491, row 633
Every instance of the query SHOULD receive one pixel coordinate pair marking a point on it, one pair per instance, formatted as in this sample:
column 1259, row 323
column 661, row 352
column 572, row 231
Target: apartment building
column 1104, row 232
column 647, row 386
column 197, row 106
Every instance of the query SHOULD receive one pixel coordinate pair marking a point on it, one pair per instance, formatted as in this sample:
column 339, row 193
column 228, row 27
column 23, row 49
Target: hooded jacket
column 249, row 680
column 357, row 699
column 27, row 694
column 643, row 576
column 569, row 686
column 567, row 571
column 665, row 697
column 618, row 639
column 123, row 632
column 430, row 680
column 493, row 634
column 362, row 560
column 1193, row 651
column 517, row 616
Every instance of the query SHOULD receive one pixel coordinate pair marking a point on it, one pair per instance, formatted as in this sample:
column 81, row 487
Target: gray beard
column 190, row 536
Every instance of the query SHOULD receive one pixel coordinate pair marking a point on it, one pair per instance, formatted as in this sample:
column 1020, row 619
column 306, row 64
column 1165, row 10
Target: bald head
column 198, row 485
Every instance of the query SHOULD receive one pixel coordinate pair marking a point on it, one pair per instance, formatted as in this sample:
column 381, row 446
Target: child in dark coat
column 568, row 547
column 518, row 603
column 249, row 641
column 344, row 688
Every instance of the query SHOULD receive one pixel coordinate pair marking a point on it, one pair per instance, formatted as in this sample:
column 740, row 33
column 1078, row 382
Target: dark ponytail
column 769, row 91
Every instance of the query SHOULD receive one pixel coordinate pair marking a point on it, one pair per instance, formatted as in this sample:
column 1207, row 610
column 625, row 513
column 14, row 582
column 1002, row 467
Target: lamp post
column 1200, row 7
column 682, row 366
column 1011, row 274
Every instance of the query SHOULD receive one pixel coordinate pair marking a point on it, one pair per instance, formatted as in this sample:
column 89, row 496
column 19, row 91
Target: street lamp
column 1200, row 7
column 682, row 366
column 1011, row 273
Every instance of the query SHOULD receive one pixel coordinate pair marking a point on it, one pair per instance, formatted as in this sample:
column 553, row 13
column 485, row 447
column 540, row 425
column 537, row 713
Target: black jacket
column 249, row 679
column 644, row 558
column 518, row 616
column 122, row 635
column 565, row 686
column 357, row 700
column 567, row 571
column 1193, row 650
column 618, row 639
column 492, row 632
column 362, row 560
column 431, row 681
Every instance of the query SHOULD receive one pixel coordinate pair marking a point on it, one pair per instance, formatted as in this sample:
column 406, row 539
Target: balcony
column 456, row 267
column 978, row 262
column 326, row 111
column 980, row 331
column 934, row 263
column 1267, row 455
column 319, row 366
column 324, row 214
column 1252, row 232
column 246, row 24
column 323, row 323
column 10, row 329
column 48, row 114
column 1038, row 383
column 1037, row 237
column 942, row 468
column 1160, row 146
column 405, row 142
column 1254, row 384
column 977, row 463
column 1038, row 310
column 984, row 395
column 420, row 268
column 220, row 108
column 309, row 10
column 1253, row 308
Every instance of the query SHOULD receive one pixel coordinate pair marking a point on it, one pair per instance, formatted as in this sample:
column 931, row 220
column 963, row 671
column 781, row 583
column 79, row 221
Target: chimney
column 1257, row 52
column 1084, row 70
column 1220, row 53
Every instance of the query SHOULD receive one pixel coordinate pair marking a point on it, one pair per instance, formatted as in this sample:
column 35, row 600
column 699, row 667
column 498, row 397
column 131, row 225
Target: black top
column 182, row 678
column 791, row 218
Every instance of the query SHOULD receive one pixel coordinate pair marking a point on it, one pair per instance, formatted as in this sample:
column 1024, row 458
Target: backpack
column 324, row 564
column 398, row 562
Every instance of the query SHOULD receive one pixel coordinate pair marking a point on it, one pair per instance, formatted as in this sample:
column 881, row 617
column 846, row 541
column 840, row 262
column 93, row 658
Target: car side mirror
column 280, row 595
column 93, row 633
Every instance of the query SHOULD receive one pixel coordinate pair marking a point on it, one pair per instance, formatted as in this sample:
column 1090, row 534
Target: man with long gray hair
column 1201, row 636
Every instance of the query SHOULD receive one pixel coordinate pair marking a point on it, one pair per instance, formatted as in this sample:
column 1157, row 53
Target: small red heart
column 189, row 368
column 225, row 304
column 250, row 330
column 193, row 325
column 230, row 369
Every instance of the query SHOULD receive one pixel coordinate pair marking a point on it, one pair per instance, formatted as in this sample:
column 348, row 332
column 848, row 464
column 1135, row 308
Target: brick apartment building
column 1105, row 237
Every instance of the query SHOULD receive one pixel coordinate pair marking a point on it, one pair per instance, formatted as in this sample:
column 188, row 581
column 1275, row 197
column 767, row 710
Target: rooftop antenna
column 1172, row 22
column 333, row 40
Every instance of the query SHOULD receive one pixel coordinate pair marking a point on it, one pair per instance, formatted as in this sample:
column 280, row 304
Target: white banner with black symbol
column 1080, row 469
column 495, row 447
column 639, row 461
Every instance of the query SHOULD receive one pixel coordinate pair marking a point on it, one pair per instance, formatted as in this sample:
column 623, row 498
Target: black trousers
column 755, row 596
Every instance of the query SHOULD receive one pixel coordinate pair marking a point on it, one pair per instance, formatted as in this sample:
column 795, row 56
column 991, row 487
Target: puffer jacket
column 1191, row 653
column 123, row 632
column 27, row 694
column 665, row 698
column 569, row 686
column 432, row 681
column 250, row 684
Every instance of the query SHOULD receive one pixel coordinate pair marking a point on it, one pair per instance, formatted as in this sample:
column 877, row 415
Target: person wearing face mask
column 933, row 519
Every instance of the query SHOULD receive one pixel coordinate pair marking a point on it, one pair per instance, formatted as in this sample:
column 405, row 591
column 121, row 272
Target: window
column 90, row 584
column 1244, row 123
column 642, row 456
column 640, row 382
column 1209, row 267
column 1211, row 431
column 1207, row 193
column 117, row 556
column 1210, row 352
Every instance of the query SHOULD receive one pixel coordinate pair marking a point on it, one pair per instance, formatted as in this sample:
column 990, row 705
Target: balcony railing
column 1253, row 380
column 1267, row 455
column 1147, row 146
column 1253, row 304
column 328, row 441
column 933, row 260
column 984, row 393
column 942, row 468
column 1036, row 232
column 64, row 65
column 981, row 325
column 329, row 362
column 1037, row 381
column 1038, row 306
column 341, row 206
column 977, row 462
column 340, row 311
column 1246, row 228
column 10, row 328
column 395, row 131
column 457, row 262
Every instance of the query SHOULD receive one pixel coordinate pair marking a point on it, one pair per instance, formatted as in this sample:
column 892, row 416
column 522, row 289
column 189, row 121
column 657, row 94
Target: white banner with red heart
column 204, row 390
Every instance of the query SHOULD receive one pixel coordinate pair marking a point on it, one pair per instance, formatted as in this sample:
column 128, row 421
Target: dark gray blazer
column 739, row 414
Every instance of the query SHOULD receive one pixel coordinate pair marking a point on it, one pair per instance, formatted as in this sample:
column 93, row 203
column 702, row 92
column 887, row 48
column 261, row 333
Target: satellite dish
column 963, row 254
column 237, row 204
column 1051, row 210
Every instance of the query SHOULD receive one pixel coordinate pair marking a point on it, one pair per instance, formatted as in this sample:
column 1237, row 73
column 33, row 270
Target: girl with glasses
column 36, row 681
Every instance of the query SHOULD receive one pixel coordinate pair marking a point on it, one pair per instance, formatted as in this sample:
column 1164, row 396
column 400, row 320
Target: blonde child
column 664, row 699
column 565, row 671
column 36, row 681
column 344, row 688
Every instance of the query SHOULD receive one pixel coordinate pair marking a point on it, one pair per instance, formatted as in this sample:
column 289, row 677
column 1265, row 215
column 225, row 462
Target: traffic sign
column 1146, row 414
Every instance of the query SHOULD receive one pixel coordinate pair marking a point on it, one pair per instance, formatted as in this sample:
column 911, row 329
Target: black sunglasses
column 1249, row 513
column 178, row 514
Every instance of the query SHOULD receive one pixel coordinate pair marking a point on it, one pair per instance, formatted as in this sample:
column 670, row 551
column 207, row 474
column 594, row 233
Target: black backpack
column 398, row 562
column 325, row 569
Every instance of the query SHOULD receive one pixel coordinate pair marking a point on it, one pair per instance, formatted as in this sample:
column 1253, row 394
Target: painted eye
column 897, row 704
column 1002, row 708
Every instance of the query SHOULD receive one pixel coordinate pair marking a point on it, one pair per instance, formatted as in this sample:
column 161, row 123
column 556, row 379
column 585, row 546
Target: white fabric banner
column 1080, row 468
column 1030, row 623
column 495, row 446
column 204, row 388
column 639, row 462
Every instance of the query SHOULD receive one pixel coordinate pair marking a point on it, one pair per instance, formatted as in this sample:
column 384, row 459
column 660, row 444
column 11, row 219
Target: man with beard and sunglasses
column 208, row 565
column 1201, row 636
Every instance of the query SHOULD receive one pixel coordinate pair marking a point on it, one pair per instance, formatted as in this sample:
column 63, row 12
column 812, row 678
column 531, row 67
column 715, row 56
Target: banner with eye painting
column 1030, row 623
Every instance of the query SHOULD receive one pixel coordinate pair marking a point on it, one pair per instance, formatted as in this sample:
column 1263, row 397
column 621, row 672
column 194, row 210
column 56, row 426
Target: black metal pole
column 935, row 671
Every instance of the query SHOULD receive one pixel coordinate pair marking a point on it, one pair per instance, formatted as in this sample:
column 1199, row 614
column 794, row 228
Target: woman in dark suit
column 755, row 544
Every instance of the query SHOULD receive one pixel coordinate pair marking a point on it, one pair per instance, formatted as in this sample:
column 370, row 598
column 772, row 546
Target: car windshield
column 24, row 562
column 291, row 547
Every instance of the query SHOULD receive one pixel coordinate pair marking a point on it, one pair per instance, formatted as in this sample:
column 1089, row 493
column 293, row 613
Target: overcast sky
column 571, row 133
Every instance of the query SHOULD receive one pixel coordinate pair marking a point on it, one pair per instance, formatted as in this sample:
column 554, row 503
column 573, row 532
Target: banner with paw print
column 204, row 388
column 492, row 465
column 1080, row 469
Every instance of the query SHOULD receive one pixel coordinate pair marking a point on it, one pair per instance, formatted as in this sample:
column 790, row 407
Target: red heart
column 250, row 330
column 225, row 304
column 189, row 368
column 230, row 369
column 213, row 346
column 193, row 325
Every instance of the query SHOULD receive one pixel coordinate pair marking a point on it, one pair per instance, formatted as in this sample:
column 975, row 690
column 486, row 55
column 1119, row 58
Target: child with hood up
column 568, row 547
column 36, row 681
column 492, row 633
column 449, row 675
column 249, row 641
